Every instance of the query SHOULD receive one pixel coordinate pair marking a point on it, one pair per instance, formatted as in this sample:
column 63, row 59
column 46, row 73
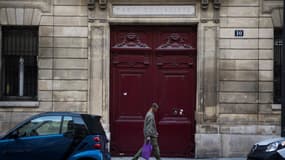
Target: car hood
column 268, row 141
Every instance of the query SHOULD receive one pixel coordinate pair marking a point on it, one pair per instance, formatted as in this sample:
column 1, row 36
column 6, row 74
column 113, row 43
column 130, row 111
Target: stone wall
column 245, row 90
column 246, row 76
column 63, row 56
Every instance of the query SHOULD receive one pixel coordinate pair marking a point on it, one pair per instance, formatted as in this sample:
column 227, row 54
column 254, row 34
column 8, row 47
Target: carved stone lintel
column 43, row 5
column 204, row 20
column 204, row 7
column 204, row 4
column 103, row 4
column 91, row 5
column 217, row 6
column 216, row 20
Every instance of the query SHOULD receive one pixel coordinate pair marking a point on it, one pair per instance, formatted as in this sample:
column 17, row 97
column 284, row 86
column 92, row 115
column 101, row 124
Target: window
column 19, row 73
column 79, row 128
column 47, row 125
column 67, row 125
column 74, row 126
column 277, row 65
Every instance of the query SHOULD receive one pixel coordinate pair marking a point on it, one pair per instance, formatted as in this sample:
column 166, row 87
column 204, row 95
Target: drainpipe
column 283, row 77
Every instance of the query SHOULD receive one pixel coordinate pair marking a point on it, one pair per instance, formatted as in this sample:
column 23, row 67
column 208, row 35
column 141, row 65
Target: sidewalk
column 129, row 158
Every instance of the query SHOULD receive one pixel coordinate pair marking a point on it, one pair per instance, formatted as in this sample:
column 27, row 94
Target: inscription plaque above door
column 154, row 10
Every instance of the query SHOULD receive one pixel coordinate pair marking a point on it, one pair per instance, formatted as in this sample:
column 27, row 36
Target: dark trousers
column 155, row 149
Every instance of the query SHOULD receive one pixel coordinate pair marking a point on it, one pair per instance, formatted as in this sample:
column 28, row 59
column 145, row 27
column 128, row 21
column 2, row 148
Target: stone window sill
column 24, row 104
column 276, row 107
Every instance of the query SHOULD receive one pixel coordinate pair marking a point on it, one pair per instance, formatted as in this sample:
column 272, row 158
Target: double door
column 153, row 64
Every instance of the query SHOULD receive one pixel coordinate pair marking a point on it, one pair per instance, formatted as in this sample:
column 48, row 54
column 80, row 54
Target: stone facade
column 63, row 56
column 234, row 77
column 244, row 112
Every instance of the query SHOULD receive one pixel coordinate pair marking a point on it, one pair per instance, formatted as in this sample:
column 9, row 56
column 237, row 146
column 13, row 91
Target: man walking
column 150, row 132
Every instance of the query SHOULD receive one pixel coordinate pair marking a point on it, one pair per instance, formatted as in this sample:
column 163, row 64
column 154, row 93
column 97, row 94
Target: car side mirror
column 14, row 135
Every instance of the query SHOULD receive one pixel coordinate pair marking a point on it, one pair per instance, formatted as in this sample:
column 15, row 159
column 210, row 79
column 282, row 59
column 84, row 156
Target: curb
column 129, row 158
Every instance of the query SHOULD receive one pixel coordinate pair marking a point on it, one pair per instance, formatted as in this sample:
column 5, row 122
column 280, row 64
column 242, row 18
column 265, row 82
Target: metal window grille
column 19, row 62
column 278, row 49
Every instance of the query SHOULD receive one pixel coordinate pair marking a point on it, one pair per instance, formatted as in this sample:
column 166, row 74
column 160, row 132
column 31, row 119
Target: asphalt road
column 129, row 158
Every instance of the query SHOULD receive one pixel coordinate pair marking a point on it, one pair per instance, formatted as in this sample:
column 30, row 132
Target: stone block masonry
column 62, row 60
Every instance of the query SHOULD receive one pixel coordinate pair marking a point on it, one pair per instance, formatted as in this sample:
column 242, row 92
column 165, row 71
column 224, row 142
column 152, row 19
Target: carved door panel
column 175, row 69
column 153, row 64
column 130, row 90
column 176, row 97
column 132, row 95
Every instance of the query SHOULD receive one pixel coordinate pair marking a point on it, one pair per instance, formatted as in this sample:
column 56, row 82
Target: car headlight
column 272, row 147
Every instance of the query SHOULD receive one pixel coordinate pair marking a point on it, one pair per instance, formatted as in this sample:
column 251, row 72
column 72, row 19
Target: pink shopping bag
column 146, row 150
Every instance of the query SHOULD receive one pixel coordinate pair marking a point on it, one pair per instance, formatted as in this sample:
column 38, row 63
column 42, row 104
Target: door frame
column 99, row 70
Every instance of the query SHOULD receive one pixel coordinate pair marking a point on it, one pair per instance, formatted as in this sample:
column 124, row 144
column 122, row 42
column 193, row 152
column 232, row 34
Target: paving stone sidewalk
column 129, row 158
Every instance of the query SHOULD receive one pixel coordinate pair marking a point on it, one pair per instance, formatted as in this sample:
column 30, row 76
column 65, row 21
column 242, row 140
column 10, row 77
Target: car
column 270, row 149
column 56, row 136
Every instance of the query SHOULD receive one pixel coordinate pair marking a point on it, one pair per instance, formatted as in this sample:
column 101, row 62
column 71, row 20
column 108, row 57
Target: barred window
column 278, row 48
column 19, row 72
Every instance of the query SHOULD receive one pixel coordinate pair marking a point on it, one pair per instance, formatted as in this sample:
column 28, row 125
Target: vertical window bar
column 278, row 43
column 21, row 76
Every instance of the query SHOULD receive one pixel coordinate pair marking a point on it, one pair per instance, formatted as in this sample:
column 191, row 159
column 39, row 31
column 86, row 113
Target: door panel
column 130, row 96
column 131, row 103
column 4, row 150
column 153, row 64
column 176, row 100
column 38, row 147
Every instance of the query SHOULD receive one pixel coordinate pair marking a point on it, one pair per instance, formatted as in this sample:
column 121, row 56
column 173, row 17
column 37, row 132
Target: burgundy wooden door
column 153, row 64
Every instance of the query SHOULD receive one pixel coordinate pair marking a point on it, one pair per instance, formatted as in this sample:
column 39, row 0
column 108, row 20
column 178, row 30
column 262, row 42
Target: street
column 129, row 158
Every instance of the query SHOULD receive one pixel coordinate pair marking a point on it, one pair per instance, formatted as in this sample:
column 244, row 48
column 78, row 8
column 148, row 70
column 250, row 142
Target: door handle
column 181, row 112
column 178, row 112
column 175, row 112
